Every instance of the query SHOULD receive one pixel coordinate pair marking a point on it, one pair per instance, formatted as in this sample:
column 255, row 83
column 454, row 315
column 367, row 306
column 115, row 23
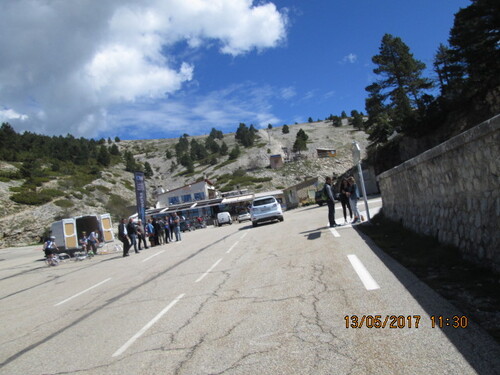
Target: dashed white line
column 147, row 326
column 232, row 247
column 243, row 236
column 152, row 256
column 367, row 279
column 210, row 269
column 83, row 291
column 334, row 232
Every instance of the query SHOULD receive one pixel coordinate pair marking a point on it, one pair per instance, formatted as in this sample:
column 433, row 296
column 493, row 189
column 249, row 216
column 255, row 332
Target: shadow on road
column 474, row 344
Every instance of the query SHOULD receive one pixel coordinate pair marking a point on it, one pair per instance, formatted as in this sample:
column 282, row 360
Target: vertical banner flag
column 140, row 195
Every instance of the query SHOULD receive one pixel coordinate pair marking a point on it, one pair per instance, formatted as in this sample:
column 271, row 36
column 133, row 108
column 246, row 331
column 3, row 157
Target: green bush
column 30, row 198
column 16, row 189
column 103, row 189
column 52, row 193
column 64, row 203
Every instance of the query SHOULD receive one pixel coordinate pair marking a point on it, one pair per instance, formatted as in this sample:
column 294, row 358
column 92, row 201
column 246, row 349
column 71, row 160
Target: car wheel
column 254, row 224
column 281, row 219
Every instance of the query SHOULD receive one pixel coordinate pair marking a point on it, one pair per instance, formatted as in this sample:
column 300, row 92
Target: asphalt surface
column 284, row 298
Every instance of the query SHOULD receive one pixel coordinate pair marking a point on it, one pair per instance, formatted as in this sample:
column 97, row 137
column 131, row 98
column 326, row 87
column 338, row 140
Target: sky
column 146, row 69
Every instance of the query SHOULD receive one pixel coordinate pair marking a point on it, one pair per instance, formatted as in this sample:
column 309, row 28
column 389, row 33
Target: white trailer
column 69, row 231
column 65, row 232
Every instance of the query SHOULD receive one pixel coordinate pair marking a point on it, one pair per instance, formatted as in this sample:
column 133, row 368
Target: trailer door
column 107, row 228
column 69, row 230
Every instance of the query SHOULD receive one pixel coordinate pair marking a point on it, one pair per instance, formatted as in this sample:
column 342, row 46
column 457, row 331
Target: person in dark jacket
column 132, row 234
column 122, row 236
column 330, row 201
column 344, row 199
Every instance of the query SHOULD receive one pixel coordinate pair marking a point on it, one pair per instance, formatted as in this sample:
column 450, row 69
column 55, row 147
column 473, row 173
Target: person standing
column 330, row 201
column 177, row 227
column 122, row 236
column 171, row 224
column 141, row 234
column 93, row 241
column 166, row 226
column 353, row 194
column 150, row 233
column 344, row 199
column 132, row 234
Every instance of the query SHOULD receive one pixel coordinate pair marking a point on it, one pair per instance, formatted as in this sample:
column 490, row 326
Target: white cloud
column 222, row 109
column 65, row 64
column 350, row 58
column 288, row 92
column 9, row 114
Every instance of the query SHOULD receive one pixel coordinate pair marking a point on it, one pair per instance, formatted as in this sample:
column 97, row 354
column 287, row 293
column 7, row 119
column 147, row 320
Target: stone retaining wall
column 451, row 192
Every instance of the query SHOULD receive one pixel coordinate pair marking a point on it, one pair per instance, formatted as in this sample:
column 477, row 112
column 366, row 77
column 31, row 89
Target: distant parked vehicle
column 319, row 198
column 224, row 218
column 186, row 226
column 244, row 216
column 265, row 209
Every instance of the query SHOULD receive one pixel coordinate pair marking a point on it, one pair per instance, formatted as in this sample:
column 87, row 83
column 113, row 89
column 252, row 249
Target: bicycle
column 52, row 260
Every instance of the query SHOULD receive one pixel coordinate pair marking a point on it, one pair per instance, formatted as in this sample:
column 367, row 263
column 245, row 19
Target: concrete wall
column 452, row 192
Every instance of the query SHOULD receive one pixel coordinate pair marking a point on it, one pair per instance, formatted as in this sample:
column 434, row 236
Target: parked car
column 224, row 218
column 265, row 209
column 244, row 216
column 319, row 198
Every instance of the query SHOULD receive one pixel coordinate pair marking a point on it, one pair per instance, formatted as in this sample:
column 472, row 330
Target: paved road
column 233, row 300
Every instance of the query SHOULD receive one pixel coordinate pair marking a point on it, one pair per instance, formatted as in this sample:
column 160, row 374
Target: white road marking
column 243, row 236
column 152, row 256
column 84, row 291
column 147, row 326
column 232, row 247
column 367, row 279
column 210, row 269
column 334, row 232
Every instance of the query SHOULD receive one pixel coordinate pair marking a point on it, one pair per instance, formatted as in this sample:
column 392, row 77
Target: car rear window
column 262, row 202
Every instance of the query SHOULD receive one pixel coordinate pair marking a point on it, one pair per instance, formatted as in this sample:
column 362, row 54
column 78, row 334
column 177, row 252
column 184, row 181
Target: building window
column 173, row 200
column 186, row 198
column 199, row 196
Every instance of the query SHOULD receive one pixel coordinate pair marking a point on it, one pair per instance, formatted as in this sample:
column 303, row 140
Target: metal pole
column 360, row 171
column 356, row 155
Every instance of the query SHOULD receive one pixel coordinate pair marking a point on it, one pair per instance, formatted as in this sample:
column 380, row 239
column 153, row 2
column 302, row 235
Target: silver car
column 244, row 216
column 265, row 209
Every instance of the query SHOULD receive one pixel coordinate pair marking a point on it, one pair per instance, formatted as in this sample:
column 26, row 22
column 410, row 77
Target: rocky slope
column 113, row 192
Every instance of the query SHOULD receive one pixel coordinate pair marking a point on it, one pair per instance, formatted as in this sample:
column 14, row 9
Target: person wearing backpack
column 330, row 201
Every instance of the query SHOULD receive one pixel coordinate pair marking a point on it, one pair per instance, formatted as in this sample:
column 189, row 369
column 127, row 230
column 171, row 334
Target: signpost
column 356, row 156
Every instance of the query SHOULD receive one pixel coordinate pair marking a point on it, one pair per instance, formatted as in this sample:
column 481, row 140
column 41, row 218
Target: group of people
column 348, row 196
column 90, row 242
column 158, row 231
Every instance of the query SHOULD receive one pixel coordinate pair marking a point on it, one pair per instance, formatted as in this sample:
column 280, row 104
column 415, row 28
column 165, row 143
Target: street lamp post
column 356, row 156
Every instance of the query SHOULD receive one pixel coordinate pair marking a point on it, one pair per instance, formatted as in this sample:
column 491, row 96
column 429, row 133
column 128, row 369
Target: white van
column 224, row 218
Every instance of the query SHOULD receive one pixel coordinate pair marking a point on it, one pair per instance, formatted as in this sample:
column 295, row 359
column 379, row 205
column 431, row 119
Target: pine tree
column 103, row 158
column 285, row 129
column 475, row 40
column 148, row 171
column 223, row 149
column 401, row 88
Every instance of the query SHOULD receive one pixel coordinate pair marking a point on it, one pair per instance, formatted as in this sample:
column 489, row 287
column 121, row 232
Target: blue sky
column 161, row 68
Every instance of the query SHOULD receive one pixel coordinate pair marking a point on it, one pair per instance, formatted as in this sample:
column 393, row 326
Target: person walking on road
column 177, row 227
column 353, row 194
column 132, row 234
column 330, row 201
column 122, row 236
column 141, row 234
column 344, row 199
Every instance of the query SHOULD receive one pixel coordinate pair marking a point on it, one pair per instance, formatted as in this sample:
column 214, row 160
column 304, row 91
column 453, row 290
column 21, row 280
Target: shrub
column 64, row 203
column 103, row 189
column 30, row 198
